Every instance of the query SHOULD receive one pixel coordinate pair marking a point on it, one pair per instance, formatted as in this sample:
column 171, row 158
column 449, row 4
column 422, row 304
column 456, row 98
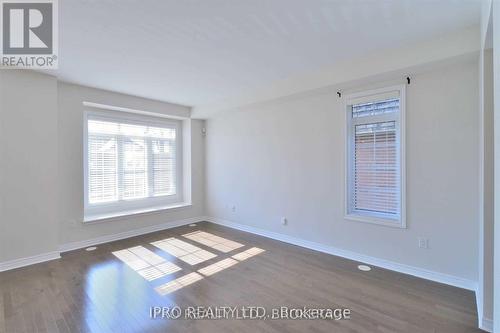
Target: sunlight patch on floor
column 213, row 241
column 146, row 263
column 248, row 253
column 184, row 251
column 207, row 271
column 178, row 283
column 217, row 267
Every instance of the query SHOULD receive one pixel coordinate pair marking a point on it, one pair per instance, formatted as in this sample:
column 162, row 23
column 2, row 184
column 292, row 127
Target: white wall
column 442, row 48
column 286, row 158
column 41, row 165
column 70, row 162
column 486, row 236
column 28, row 153
column 2, row 172
column 486, row 173
column 496, row 102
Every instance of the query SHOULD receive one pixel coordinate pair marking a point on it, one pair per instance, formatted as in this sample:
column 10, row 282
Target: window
column 132, row 162
column 375, row 188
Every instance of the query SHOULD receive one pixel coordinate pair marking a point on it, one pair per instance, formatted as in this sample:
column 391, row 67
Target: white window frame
column 374, row 95
column 98, row 211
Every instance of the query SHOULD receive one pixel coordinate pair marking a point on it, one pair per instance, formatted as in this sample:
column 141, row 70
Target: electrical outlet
column 284, row 220
column 423, row 243
column 233, row 208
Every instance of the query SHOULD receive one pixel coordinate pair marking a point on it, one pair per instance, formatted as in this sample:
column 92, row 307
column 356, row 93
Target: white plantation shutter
column 103, row 168
column 130, row 162
column 164, row 170
column 374, row 160
column 134, row 184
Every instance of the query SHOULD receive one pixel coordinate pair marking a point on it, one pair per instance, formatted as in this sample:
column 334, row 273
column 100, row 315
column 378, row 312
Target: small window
column 132, row 162
column 375, row 157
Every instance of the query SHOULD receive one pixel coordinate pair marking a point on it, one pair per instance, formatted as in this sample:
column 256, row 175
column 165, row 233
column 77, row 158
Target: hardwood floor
column 108, row 290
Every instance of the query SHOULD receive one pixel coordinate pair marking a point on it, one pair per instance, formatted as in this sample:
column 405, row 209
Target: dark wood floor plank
column 97, row 292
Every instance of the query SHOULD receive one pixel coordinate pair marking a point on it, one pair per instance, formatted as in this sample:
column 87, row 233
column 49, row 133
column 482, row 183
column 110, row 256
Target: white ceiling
column 198, row 52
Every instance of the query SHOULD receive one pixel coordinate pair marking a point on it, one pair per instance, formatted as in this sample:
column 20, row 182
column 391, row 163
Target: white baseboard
column 486, row 325
column 127, row 234
column 483, row 323
column 394, row 266
column 21, row 262
column 479, row 307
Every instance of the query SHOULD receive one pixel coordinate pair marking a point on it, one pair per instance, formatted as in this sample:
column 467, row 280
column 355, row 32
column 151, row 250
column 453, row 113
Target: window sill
column 376, row 220
column 135, row 212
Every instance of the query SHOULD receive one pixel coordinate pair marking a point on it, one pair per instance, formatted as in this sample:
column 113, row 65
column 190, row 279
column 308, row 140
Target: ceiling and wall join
column 208, row 54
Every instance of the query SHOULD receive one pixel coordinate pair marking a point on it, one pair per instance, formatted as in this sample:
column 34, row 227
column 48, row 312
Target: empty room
column 250, row 166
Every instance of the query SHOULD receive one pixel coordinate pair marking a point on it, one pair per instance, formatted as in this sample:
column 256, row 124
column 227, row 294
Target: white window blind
column 374, row 159
column 131, row 163
column 163, row 159
column 103, row 169
column 375, row 168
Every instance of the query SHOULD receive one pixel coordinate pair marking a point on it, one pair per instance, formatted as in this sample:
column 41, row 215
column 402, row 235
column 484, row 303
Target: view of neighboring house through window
column 375, row 157
column 132, row 162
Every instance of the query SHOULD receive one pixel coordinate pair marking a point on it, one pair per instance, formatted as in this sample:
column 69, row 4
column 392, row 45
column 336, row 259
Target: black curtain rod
column 408, row 80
